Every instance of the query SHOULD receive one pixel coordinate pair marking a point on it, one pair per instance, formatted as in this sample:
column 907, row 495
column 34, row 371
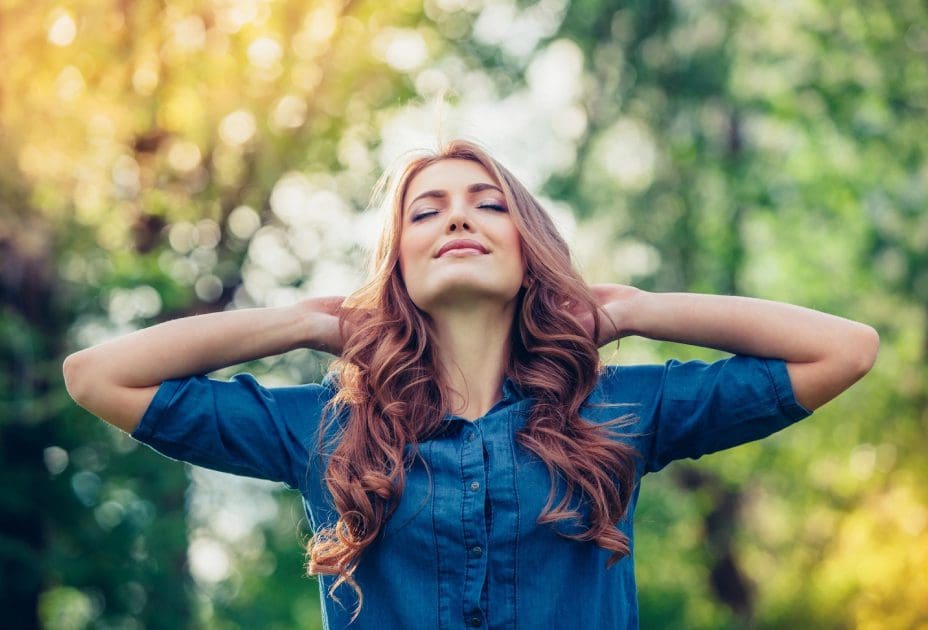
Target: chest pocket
column 534, row 485
column 413, row 513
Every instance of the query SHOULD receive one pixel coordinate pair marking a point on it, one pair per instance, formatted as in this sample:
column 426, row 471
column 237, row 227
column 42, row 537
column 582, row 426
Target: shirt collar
column 512, row 394
column 511, row 391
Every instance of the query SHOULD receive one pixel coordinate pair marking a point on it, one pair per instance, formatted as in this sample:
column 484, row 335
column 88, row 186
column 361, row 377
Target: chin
column 467, row 293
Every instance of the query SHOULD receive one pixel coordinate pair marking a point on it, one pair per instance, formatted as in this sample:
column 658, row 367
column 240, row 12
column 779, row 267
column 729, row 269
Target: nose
column 457, row 218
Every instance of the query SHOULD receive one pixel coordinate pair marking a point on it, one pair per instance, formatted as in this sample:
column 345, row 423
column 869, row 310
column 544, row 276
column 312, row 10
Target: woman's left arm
column 824, row 354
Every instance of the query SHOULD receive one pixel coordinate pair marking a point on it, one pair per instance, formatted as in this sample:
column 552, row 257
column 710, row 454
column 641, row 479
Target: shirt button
column 474, row 621
column 475, row 485
column 477, row 551
column 469, row 436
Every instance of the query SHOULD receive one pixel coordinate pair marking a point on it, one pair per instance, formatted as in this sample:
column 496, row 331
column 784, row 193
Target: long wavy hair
column 389, row 381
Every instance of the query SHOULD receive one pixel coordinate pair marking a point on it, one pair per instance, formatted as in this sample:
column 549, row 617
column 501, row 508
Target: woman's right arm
column 116, row 380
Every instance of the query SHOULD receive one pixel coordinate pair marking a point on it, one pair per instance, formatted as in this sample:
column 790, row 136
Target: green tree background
column 161, row 159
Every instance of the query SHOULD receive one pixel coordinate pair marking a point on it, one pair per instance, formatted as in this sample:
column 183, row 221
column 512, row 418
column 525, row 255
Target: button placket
column 473, row 469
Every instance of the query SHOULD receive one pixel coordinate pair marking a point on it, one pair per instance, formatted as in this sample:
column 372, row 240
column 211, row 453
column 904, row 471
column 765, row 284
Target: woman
column 469, row 461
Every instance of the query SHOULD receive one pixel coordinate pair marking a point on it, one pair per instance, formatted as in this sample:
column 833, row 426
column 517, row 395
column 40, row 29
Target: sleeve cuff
column 786, row 397
column 156, row 408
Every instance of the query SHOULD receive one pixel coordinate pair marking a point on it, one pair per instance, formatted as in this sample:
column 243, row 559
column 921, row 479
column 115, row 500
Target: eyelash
column 429, row 213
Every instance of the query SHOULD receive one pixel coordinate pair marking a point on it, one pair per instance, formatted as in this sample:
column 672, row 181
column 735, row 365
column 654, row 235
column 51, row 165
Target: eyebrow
column 441, row 194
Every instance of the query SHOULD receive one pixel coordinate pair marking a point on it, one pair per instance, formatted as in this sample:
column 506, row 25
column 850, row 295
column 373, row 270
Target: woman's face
column 457, row 200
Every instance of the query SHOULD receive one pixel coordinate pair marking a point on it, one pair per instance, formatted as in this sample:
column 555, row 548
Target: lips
column 461, row 243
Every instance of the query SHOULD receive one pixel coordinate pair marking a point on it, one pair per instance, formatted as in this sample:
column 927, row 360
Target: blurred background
column 160, row 159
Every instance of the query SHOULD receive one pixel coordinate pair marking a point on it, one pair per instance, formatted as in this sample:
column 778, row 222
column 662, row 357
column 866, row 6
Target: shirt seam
column 651, row 464
column 787, row 403
column 145, row 432
column 464, row 613
column 435, row 546
column 783, row 411
column 156, row 408
column 207, row 457
column 773, row 381
column 285, row 473
column 515, row 486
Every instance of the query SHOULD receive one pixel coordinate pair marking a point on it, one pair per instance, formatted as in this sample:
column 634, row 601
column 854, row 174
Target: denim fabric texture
column 463, row 549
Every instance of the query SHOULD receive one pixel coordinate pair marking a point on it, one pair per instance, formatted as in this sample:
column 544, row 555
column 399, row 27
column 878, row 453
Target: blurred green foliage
column 166, row 159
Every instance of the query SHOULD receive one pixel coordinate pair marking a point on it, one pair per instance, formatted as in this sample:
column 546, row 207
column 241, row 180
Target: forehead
column 450, row 174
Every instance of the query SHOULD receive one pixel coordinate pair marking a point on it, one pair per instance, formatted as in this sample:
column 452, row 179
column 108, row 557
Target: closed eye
column 427, row 213
column 493, row 206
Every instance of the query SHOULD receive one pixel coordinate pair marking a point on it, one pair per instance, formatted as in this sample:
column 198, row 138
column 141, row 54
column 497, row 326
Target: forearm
column 741, row 325
column 191, row 345
column 118, row 379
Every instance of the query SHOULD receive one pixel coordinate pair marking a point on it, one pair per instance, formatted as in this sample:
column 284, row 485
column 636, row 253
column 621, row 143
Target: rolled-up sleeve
column 236, row 426
column 692, row 408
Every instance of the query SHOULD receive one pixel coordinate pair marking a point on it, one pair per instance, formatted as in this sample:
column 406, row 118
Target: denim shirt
column 463, row 549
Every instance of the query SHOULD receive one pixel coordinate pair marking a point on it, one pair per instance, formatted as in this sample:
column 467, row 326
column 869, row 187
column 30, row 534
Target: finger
column 330, row 304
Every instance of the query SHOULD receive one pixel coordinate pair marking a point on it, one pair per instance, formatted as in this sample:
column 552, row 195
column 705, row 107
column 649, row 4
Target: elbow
column 865, row 348
column 72, row 370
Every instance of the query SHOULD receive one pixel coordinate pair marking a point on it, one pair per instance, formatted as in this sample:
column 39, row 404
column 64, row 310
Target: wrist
column 631, row 311
column 305, row 326
column 319, row 324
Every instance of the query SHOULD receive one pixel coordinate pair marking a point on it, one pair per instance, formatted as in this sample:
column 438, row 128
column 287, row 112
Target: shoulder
column 331, row 382
column 684, row 380
column 240, row 425
column 629, row 381
column 687, row 374
column 622, row 389
column 242, row 394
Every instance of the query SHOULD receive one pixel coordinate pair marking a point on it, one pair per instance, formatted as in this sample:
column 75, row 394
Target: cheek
column 404, row 265
column 515, row 244
column 410, row 250
column 401, row 256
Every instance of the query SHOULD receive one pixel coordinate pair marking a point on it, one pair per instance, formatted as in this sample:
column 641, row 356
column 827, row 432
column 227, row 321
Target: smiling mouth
column 462, row 251
column 462, row 243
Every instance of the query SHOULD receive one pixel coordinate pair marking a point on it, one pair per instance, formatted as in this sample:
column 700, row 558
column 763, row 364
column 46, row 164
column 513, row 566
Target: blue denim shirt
column 463, row 549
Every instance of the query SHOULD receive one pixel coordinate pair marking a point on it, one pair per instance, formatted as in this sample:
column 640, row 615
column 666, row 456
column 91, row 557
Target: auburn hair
column 389, row 381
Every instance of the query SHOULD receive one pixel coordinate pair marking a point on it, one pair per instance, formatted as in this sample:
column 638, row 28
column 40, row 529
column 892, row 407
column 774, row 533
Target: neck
column 473, row 350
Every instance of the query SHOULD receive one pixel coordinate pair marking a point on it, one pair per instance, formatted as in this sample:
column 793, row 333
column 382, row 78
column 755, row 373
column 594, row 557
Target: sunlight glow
column 232, row 15
column 238, row 127
column 146, row 76
column 188, row 35
column 126, row 305
column 56, row 459
column 125, row 176
column 63, row 30
column 265, row 53
column 209, row 561
column 289, row 112
column 184, row 156
column 243, row 222
column 627, row 151
column 208, row 288
column 554, row 74
column 518, row 32
column 70, row 83
column 318, row 27
column 403, row 49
